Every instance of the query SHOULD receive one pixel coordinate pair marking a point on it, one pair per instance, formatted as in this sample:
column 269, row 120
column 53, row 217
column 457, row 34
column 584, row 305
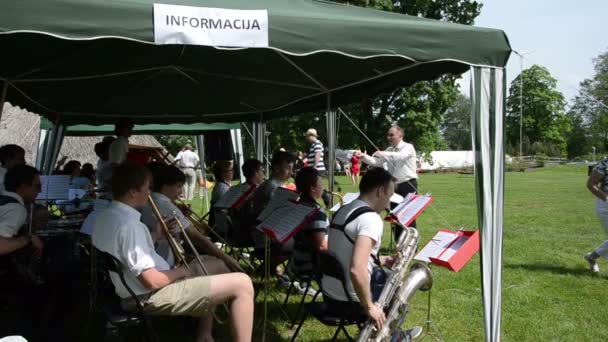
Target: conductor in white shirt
column 187, row 161
column 399, row 159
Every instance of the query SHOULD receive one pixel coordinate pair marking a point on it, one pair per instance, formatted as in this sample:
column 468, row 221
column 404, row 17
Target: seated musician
column 167, row 183
column 311, row 239
column 223, row 170
column 355, row 236
column 281, row 168
column 22, row 185
column 10, row 155
column 239, row 232
column 165, row 290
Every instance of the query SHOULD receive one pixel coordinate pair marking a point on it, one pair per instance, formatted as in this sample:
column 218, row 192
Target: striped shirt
column 303, row 258
column 315, row 147
column 602, row 168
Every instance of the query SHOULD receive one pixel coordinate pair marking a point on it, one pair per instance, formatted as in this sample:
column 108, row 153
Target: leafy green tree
column 456, row 124
column 544, row 118
column 590, row 107
column 418, row 108
column 174, row 143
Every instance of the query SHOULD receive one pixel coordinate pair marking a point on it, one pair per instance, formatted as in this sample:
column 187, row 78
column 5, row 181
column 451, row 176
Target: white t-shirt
column 2, row 174
column 187, row 159
column 118, row 231
column 12, row 216
column 118, row 150
column 166, row 209
column 368, row 224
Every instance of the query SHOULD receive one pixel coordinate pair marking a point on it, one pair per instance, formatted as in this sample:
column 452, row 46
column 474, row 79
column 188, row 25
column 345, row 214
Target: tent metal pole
column 3, row 97
column 331, row 146
column 237, row 144
column 200, row 145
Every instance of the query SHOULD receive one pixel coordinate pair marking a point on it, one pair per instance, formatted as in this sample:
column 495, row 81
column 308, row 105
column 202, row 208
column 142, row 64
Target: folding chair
column 330, row 266
column 117, row 318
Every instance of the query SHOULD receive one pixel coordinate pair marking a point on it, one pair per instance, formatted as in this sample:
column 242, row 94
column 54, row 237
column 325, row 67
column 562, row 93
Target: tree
column 590, row 109
column 544, row 119
column 456, row 124
column 418, row 108
column 174, row 143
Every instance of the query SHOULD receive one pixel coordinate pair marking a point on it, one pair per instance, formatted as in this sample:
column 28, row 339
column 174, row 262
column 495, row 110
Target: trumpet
column 337, row 194
column 176, row 247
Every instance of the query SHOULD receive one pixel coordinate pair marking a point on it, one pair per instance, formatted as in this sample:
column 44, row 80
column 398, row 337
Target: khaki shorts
column 186, row 297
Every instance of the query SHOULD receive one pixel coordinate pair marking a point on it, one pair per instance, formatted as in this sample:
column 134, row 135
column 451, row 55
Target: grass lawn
column 548, row 293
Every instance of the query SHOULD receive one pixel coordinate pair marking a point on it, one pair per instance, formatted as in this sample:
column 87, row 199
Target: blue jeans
column 378, row 279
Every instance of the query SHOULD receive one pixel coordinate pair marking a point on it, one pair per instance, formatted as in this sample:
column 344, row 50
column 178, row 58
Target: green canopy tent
column 95, row 61
column 197, row 129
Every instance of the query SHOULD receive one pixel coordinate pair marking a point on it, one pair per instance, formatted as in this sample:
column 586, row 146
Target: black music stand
column 430, row 331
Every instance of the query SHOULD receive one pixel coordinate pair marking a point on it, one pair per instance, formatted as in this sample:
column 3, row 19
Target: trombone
column 178, row 249
column 199, row 223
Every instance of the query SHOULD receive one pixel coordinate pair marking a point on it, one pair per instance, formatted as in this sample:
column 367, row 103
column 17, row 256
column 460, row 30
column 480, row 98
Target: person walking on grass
column 597, row 183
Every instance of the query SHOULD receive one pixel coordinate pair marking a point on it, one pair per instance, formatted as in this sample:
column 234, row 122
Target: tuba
column 400, row 287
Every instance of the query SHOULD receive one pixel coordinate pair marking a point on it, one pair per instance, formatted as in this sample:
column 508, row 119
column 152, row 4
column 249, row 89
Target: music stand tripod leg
column 434, row 334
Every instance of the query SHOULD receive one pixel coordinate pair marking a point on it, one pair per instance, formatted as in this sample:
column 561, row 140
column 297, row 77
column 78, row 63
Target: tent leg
column 488, row 86
column 200, row 145
column 331, row 146
column 3, row 97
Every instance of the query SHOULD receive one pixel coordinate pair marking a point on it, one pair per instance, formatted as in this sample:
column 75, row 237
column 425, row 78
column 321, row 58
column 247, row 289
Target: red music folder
column 450, row 249
column 236, row 196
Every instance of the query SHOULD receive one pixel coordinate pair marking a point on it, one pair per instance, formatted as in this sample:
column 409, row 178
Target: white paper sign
column 175, row 24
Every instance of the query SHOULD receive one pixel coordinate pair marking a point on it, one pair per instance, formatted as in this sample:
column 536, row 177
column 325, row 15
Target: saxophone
column 399, row 289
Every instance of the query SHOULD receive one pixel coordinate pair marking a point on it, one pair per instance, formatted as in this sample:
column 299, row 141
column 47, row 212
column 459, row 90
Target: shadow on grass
column 557, row 269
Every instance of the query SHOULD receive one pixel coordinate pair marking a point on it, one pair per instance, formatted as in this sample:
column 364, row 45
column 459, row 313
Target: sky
column 563, row 36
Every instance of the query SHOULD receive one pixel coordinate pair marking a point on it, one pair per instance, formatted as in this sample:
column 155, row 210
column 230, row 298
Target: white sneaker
column 592, row 263
column 302, row 290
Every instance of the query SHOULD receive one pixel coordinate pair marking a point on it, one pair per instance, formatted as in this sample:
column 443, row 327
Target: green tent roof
column 94, row 61
column 176, row 129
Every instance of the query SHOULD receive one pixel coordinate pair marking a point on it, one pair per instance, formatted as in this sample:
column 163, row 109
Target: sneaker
column 592, row 263
column 406, row 335
column 302, row 290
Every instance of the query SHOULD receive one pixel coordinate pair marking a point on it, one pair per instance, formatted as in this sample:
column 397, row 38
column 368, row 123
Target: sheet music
column 54, row 187
column 233, row 195
column 436, row 246
column 76, row 193
column 280, row 198
column 454, row 248
column 410, row 207
column 284, row 220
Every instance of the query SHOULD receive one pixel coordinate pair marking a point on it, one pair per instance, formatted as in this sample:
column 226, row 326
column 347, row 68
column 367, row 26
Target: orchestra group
column 144, row 200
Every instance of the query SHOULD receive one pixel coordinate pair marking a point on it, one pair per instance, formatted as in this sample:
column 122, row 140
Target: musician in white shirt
column 187, row 161
column 399, row 159
column 120, row 147
column 164, row 291
column 167, row 183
